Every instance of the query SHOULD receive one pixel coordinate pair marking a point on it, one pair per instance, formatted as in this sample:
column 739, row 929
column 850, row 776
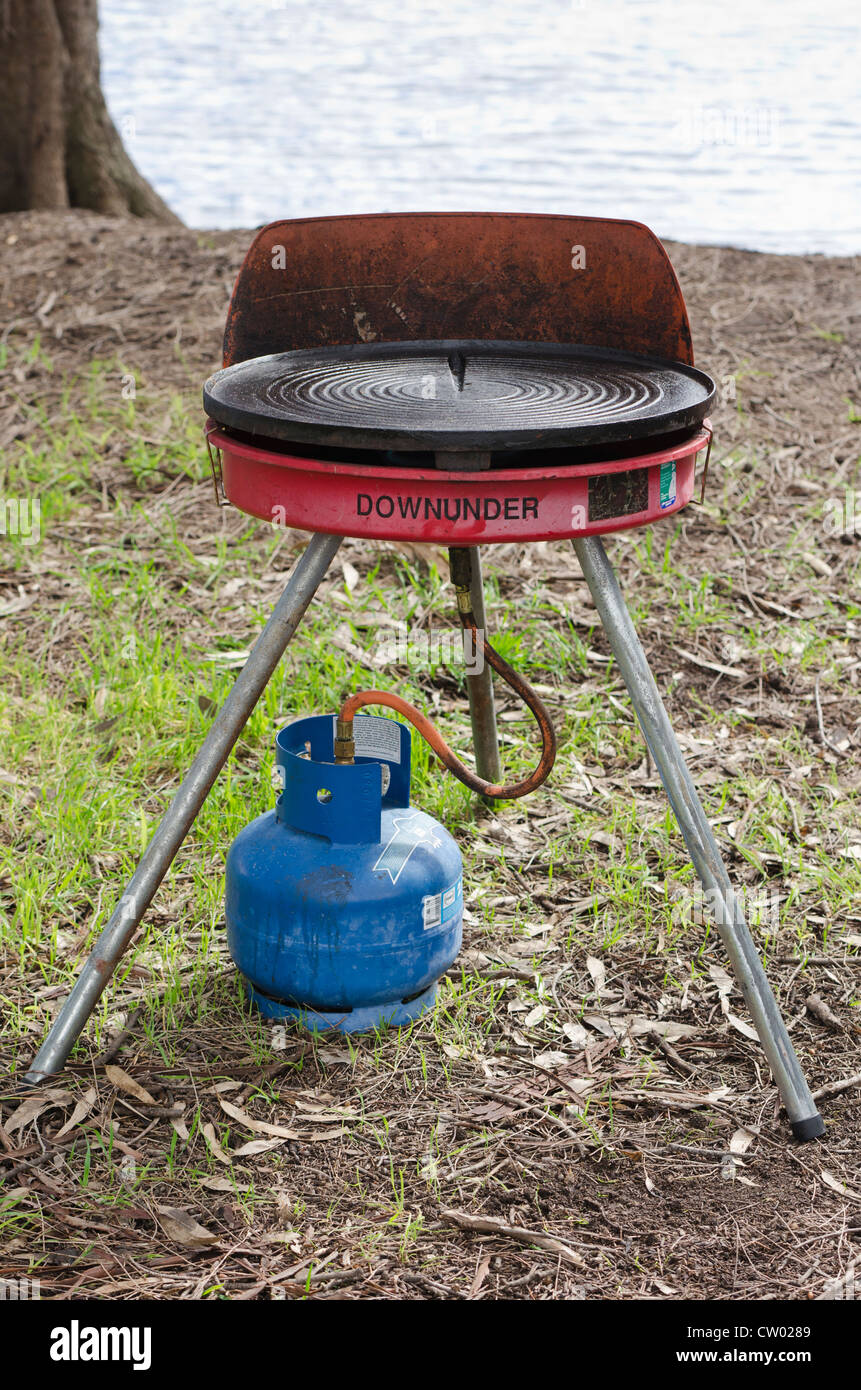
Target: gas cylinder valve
column 345, row 744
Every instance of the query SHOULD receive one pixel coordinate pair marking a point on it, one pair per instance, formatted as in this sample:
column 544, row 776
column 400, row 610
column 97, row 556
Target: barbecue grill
column 453, row 396
column 466, row 379
column 458, row 440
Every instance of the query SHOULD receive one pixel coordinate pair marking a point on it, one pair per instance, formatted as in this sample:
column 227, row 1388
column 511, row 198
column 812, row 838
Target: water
column 736, row 125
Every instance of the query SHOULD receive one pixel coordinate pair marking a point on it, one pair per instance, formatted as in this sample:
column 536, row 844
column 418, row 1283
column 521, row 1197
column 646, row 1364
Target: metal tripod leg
column 179, row 817
column 482, row 711
column 702, row 847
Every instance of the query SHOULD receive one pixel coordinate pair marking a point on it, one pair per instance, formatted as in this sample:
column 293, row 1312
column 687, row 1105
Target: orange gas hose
column 434, row 738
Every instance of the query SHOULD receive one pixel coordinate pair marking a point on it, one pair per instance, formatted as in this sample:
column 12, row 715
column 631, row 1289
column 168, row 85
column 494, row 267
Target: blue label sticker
column 438, row 909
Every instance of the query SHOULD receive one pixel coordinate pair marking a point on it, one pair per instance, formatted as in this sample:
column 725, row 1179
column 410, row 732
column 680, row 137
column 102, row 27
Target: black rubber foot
column 814, row 1128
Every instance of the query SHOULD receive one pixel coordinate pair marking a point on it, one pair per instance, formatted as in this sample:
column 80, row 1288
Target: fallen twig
column 120, row 1040
column 839, row 752
column 492, row 1226
column 672, row 1056
column 834, row 1088
column 817, row 1006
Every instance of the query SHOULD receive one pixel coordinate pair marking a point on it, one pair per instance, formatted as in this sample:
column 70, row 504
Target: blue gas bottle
column 344, row 905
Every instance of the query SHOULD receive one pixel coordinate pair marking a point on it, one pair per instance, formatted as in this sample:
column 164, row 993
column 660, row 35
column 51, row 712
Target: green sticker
column 668, row 484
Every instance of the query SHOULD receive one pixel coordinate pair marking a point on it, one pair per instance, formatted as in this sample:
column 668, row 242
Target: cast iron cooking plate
column 457, row 395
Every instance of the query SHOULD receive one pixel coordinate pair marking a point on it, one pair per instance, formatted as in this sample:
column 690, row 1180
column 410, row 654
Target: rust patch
column 426, row 276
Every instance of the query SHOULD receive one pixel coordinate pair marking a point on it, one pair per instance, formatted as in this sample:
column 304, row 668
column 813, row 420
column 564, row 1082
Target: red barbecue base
column 457, row 508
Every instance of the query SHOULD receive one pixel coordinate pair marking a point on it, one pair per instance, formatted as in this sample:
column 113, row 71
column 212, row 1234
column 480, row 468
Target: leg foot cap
column 812, row 1128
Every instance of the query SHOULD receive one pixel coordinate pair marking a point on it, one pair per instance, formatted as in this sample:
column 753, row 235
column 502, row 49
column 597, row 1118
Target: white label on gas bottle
column 376, row 737
column 440, row 908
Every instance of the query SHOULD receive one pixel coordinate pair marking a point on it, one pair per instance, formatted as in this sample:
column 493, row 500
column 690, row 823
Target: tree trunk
column 59, row 147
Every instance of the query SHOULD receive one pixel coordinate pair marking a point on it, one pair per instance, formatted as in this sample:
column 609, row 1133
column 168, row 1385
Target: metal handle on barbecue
column 698, row 501
column 215, row 465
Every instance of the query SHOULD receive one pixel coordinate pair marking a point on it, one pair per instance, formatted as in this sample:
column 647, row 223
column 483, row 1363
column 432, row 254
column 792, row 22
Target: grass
column 111, row 679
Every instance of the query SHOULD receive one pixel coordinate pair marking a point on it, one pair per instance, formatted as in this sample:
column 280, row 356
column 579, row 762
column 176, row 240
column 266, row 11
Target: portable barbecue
column 463, row 378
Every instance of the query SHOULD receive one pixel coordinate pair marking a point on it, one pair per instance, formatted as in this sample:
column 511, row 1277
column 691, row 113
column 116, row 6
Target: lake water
column 735, row 124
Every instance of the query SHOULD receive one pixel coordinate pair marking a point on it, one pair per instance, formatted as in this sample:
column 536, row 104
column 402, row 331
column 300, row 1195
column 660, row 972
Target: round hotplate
column 457, row 396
